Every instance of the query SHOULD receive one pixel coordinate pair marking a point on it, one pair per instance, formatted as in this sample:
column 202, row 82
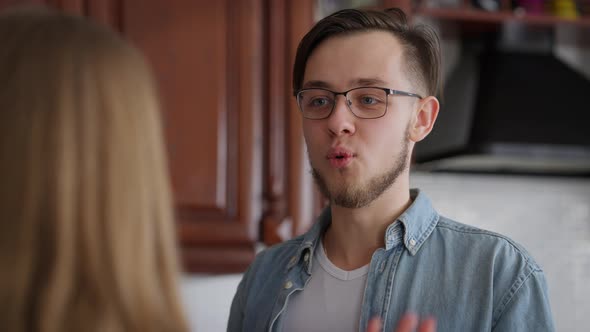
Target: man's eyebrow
column 369, row 82
column 316, row 84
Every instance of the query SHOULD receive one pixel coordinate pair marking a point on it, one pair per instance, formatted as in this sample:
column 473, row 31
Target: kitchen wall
column 550, row 216
column 207, row 300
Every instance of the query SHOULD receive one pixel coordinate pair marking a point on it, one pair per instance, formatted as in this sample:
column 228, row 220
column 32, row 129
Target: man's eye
column 319, row 102
column 368, row 100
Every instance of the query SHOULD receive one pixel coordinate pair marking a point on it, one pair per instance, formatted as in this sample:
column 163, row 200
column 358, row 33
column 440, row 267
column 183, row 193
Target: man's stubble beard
column 358, row 196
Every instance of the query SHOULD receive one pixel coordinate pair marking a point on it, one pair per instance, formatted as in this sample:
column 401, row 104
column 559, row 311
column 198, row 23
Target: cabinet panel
column 191, row 67
column 207, row 58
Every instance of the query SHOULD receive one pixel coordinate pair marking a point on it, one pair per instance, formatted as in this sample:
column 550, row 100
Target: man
column 365, row 83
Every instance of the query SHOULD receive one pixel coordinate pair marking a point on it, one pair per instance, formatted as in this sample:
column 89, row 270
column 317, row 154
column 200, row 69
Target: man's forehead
column 361, row 81
column 359, row 43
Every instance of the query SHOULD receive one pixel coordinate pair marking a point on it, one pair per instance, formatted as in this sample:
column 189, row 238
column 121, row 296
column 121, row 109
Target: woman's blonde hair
column 86, row 229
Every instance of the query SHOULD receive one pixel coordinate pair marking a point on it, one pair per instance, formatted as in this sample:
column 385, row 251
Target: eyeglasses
column 363, row 102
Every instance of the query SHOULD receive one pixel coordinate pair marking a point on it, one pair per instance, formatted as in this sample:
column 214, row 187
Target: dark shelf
column 475, row 15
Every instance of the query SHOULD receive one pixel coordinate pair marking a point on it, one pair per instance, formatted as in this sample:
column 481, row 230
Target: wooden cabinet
column 236, row 153
column 208, row 59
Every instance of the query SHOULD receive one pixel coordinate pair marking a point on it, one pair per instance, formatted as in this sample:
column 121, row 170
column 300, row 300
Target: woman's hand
column 407, row 323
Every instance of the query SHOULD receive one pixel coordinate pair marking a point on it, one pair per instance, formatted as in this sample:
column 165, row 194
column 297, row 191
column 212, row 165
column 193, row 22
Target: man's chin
column 338, row 183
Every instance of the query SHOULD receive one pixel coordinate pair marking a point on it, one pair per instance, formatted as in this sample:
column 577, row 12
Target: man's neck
column 355, row 234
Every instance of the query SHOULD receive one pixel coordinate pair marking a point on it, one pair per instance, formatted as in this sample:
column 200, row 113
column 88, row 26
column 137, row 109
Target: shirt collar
column 414, row 226
column 419, row 220
column 311, row 240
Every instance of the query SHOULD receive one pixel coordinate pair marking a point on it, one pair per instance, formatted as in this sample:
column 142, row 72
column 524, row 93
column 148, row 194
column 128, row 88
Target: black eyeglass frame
column 388, row 92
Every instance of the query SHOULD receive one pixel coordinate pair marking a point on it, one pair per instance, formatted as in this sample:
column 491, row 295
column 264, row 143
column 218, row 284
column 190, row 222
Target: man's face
column 355, row 160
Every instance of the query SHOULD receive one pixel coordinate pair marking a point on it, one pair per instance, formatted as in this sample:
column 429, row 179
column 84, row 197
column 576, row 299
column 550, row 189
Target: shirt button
column 306, row 257
column 412, row 242
column 288, row 285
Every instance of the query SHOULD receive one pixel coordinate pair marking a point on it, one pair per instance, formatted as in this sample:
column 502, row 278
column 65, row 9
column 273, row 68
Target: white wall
column 549, row 216
column 207, row 300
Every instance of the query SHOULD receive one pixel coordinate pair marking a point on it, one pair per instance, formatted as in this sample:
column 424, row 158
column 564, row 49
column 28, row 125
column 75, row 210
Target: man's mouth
column 340, row 157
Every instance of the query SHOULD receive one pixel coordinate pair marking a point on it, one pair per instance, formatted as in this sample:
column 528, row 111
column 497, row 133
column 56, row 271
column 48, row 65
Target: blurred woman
column 86, row 232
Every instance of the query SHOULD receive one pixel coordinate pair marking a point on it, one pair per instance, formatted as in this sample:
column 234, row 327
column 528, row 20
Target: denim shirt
column 467, row 278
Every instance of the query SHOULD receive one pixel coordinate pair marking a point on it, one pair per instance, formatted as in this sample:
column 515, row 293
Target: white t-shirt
column 331, row 300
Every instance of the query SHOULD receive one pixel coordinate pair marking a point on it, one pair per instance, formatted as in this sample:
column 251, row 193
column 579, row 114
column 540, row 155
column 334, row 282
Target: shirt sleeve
column 528, row 309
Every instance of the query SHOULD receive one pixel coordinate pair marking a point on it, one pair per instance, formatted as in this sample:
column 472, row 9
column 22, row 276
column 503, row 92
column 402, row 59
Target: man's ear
column 423, row 118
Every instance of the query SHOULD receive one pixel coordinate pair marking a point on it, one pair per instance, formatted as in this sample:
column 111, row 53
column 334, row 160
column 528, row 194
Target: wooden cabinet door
column 236, row 153
column 207, row 56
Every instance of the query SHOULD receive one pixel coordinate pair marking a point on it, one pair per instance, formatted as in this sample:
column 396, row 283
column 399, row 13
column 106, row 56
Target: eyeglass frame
column 388, row 92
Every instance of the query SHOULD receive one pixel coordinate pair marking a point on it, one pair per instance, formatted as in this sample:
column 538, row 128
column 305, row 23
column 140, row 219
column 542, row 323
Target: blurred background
column 510, row 151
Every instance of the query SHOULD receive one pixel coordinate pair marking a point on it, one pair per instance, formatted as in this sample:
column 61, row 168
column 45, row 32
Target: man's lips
column 340, row 157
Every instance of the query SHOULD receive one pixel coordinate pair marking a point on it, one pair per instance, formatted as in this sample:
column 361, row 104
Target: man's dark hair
column 420, row 43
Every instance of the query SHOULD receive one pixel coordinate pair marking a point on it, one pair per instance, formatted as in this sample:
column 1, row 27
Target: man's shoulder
column 501, row 247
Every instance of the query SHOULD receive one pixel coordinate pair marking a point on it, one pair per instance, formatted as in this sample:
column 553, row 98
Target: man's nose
column 342, row 120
